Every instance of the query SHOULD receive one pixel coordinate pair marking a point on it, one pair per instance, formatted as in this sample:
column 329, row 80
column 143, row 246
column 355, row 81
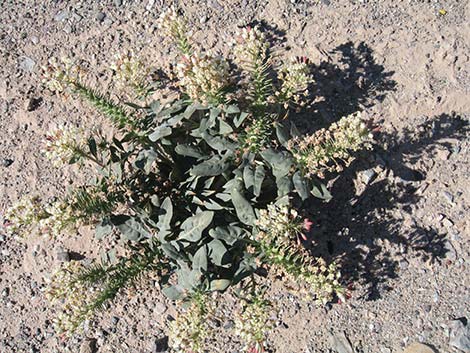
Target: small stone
column 203, row 19
column 443, row 154
column 27, row 64
column 2, row 238
column 34, row 40
column 5, row 252
column 6, row 162
column 117, row 2
column 63, row 256
column 5, row 292
column 32, row 104
column 160, row 308
column 448, row 196
column 459, row 335
column 150, row 5
column 403, row 264
column 100, row 16
column 61, row 16
column 340, row 343
column 368, row 175
column 160, row 345
column 215, row 4
column 418, row 348
column 229, row 325
column 450, row 253
column 326, row 2
column 114, row 320
column 446, row 222
column 88, row 346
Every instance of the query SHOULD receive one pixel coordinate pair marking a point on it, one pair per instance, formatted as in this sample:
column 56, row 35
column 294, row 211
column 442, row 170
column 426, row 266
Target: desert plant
column 201, row 187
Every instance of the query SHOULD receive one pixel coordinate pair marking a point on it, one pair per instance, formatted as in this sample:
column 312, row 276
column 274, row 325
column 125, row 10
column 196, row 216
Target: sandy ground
column 399, row 223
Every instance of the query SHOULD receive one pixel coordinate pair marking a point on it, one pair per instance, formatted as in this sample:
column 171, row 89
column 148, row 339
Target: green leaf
column 164, row 218
column 258, row 182
column 130, row 228
column 224, row 128
column 213, row 166
column 172, row 252
column 238, row 120
column 161, row 131
column 103, row 229
column 232, row 109
column 282, row 134
column 243, row 208
column 200, row 259
column 219, row 284
column 193, row 227
column 284, row 186
column 320, row 191
column 229, row 234
column 280, row 162
column 173, row 292
column 248, row 176
column 218, row 143
column 188, row 151
column 145, row 160
column 218, row 253
column 301, row 185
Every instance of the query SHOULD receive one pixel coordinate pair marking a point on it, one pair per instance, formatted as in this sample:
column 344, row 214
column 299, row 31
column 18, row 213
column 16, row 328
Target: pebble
column 160, row 308
column 61, row 16
column 459, row 335
column 117, row 2
column 88, row 346
column 448, row 196
column 32, row 104
column 5, row 292
column 150, row 5
column 6, row 162
column 5, row 252
column 340, row 343
column 368, row 175
column 160, row 345
column 100, row 16
column 63, row 256
column 34, row 40
column 447, row 222
column 114, row 320
column 203, row 19
column 418, row 348
column 27, row 64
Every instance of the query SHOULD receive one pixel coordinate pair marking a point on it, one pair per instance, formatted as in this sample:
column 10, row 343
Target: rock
column 32, row 104
column 27, row 64
column 450, row 254
column 160, row 308
column 160, row 345
column 6, row 162
column 117, row 2
column 340, row 343
column 418, row 348
column 203, row 19
column 326, row 2
column 448, row 196
column 5, row 292
column 447, row 222
column 368, row 175
column 229, row 325
column 215, row 5
column 34, row 40
column 114, row 320
column 100, row 16
column 459, row 335
column 150, row 5
column 63, row 256
column 61, row 16
column 88, row 346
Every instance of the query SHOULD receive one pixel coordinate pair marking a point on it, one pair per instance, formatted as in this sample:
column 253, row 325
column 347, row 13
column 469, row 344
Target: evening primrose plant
column 200, row 188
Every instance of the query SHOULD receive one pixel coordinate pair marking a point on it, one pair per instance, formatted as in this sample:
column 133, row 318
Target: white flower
column 62, row 144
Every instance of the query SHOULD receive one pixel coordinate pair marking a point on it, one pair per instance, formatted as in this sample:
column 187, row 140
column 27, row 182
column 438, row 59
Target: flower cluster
column 189, row 331
column 327, row 149
column 253, row 323
column 74, row 295
column 131, row 72
column 174, row 26
column 63, row 144
column 203, row 77
column 24, row 215
column 59, row 216
column 281, row 225
column 60, row 74
column 295, row 78
column 251, row 48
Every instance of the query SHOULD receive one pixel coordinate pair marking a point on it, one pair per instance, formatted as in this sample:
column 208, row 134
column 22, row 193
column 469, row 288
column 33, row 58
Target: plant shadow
column 366, row 233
